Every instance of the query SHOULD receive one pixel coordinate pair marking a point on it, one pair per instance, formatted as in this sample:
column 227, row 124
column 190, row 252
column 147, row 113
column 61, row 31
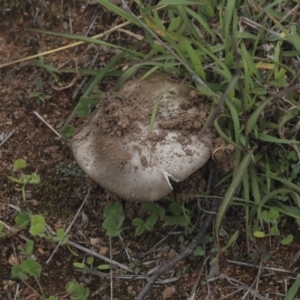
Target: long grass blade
column 242, row 169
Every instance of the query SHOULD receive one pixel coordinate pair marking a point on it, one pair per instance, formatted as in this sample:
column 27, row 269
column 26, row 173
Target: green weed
column 23, row 179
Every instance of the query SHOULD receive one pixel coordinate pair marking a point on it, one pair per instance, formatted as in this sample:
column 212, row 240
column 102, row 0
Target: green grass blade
column 253, row 120
column 119, row 11
column 268, row 138
column 223, row 135
column 196, row 62
column 293, row 289
column 185, row 19
column 256, row 192
column 181, row 2
column 155, row 108
column 202, row 22
column 228, row 15
column 242, row 169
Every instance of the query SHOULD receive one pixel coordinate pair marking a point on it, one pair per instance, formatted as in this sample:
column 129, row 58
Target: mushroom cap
column 116, row 150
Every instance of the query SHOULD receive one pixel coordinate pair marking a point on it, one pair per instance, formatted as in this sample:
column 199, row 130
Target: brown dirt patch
column 60, row 194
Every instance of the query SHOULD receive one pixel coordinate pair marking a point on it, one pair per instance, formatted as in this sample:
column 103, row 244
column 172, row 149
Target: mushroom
column 142, row 137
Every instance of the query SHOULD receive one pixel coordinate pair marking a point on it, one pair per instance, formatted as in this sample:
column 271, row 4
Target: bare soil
column 60, row 194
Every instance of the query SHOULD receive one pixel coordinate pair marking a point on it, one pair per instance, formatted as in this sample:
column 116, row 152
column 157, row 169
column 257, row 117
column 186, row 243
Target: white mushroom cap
column 116, row 150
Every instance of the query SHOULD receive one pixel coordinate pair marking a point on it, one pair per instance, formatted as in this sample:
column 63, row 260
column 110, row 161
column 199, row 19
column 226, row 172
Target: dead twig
column 193, row 292
column 70, row 226
column 254, row 266
column 47, row 124
column 205, row 222
column 8, row 137
column 95, row 254
column 239, row 285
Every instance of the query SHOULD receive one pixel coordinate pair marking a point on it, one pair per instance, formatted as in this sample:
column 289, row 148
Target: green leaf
column 114, row 218
column 148, row 227
column 273, row 214
column 28, row 250
column 67, row 131
column 34, row 179
column 17, row 272
column 37, row 225
column 292, row 292
column 171, row 220
column 232, row 239
column 139, row 230
column 274, row 230
column 183, row 221
column 61, row 236
column 198, row 251
column 151, row 220
column 22, row 219
column 16, row 180
column 90, row 260
column 78, row 292
column 287, row 240
column 138, row 222
column 19, row 164
column 174, row 24
column 113, row 210
column 103, row 267
column 153, row 207
column 259, row 234
column 35, row 94
column 83, row 108
column 112, row 226
column 78, row 265
column 31, row 267
column 175, row 209
column 265, row 216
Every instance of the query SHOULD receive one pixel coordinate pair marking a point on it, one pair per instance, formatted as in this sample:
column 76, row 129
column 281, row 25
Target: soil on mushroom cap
column 123, row 113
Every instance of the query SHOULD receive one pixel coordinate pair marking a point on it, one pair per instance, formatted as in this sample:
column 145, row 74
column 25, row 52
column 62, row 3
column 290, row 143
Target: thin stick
column 93, row 253
column 231, row 294
column 254, row 266
column 256, row 281
column 289, row 12
column 125, row 248
column 236, row 282
column 100, row 35
column 134, row 277
column 68, row 229
column 111, row 272
column 70, row 20
column 9, row 135
column 203, row 224
column 193, row 292
column 47, row 124
column 94, row 17
column 17, row 291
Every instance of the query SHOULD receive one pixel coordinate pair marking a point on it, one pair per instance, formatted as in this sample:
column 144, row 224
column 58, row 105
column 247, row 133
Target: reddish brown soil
column 59, row 196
